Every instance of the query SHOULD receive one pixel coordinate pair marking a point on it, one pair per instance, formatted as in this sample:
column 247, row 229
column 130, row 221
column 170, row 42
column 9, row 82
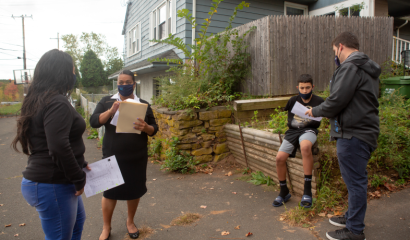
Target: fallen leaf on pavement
column 389, row 186
column 377, row 193
column 282, row 218
column 248, row 234
column 229, row 174
column 1, row 205
column 322, row 214
column 239, row 227
column 337, row 213
column 339, row 208
column 23, row 224
column 234, row 192
column 224, row 233
column 203, row 206
column 16, row 235
column 8, row 225
column 154, row 179
column 329, row 215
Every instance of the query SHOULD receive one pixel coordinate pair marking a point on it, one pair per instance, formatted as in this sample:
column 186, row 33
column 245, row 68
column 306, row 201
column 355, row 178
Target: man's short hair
column 348, row 39
column 305, row 78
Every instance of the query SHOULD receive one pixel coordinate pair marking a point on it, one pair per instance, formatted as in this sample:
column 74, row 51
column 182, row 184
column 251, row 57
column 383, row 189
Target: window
column 295, row 9
column 163, row 20
column 350, row 11
column 134, row 40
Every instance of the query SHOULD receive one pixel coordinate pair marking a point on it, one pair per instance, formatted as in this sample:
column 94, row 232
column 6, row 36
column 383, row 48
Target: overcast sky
column 49, row 18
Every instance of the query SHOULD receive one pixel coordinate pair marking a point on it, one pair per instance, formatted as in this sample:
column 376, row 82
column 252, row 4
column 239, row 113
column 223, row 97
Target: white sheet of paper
column 300, row 110
column 104, row 174
column 115, row 118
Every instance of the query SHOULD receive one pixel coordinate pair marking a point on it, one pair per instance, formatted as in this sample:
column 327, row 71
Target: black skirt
column 134, row 172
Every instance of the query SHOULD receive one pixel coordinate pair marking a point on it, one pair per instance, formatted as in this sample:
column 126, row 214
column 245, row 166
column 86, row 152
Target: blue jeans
column 61, row 213
column 353, row 155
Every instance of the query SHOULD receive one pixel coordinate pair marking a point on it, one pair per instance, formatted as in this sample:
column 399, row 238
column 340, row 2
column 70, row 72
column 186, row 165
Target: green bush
column 177, row 161
column 155, row 147
column 377, row 181
column 393, row 149
column 93, row 134
column 279, row 121
column 213, row 70
column 259, row 178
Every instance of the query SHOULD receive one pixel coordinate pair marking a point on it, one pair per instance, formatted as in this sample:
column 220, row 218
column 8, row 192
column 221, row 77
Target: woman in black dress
column 130, row 149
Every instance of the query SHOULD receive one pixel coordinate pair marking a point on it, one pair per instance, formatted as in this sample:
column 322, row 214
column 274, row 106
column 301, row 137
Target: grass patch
column 9, row 109
column 145, row 232
column 186, row 219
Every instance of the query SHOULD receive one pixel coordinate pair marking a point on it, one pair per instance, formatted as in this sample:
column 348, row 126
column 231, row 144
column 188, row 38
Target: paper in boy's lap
column 104, row 174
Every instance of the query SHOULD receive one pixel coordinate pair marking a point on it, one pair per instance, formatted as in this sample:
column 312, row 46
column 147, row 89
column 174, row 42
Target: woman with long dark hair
column 130, row 149
column 50, row 131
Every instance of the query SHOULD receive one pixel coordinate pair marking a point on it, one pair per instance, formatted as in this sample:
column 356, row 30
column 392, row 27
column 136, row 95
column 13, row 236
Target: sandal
column 279, row 200
column 133, row 235
column 306, row 201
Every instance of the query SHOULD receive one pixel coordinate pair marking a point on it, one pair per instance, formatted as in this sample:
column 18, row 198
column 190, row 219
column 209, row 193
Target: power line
column 9, row 49
column 10, row 59
column 8, row 54
column 11, row 44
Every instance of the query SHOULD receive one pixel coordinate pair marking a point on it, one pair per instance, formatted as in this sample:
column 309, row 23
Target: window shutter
column 140, row 37
column 151, row 26
column 174, row 17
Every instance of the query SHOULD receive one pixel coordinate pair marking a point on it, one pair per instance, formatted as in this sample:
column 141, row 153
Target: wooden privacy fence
column 261, row 148
column 283, row 47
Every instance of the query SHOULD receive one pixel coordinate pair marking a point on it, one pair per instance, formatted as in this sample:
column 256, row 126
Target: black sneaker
column 338, row 221
column 344, row 234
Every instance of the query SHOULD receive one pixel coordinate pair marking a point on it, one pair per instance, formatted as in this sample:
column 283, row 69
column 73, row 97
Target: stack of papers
column 299, row 109
column 104, row 174
column 128, row 113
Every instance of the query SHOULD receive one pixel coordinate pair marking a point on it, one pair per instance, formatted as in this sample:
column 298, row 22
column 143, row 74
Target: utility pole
column 24, row 51
column 58, row 40
column 24, row 37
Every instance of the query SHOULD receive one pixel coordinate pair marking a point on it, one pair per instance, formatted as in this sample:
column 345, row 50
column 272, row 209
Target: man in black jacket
column 354, row 116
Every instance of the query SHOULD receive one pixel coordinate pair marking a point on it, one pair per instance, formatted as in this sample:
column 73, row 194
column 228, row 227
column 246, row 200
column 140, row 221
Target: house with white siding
column 146, row 20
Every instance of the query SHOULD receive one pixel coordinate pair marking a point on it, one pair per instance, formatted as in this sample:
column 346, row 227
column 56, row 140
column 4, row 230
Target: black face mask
column 337, row 60
column 305, row 96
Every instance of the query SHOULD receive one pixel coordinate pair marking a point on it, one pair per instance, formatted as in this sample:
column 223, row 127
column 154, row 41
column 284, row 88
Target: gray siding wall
column 258, row 9
column 148, row 84
column 140, row 11
column 323, row 3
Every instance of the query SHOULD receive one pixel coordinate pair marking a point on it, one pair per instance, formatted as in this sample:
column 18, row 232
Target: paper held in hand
column 300, row 110
column 104, row 174
column 129, row 111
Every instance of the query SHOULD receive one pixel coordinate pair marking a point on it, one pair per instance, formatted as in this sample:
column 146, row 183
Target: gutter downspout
column 398, row 29
column 194, row 16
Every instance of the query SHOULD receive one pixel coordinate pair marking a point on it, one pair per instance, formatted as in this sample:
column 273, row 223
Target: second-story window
column 134, row 40
column 163, row 20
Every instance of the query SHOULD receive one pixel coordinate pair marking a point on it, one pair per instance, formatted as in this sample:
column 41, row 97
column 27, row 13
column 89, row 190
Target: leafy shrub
column 259, row 178
column 377, row 180
column 154, row 148
column 93, row 134
column 214, row 69
column 177, row 161
column 279, row 121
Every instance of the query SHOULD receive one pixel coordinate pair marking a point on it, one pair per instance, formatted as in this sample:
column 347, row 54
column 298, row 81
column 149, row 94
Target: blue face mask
column 305, row 96
column 125, row 90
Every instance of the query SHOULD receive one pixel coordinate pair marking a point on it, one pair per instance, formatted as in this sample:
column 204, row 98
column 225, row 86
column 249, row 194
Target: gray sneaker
column 344, row 234
column 338, row 221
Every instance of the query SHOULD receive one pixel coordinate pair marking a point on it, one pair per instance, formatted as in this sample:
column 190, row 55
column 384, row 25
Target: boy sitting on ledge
column 302, row 133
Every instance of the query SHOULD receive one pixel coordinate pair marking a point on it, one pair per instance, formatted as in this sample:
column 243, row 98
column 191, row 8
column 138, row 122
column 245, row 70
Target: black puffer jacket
column 353, row 102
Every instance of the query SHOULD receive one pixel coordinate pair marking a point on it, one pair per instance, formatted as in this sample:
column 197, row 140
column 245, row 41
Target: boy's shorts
column 288, row 148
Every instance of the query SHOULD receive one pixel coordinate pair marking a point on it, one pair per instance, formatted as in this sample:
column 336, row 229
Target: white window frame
column 297, row 6
column 170, row 19
column 131, row 38
column 367, row 11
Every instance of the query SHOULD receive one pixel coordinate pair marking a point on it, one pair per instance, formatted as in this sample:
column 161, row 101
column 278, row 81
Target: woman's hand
column 88, row 167
column 143, row 126
column 78, row 193
column 114, row 107
column 140, row 125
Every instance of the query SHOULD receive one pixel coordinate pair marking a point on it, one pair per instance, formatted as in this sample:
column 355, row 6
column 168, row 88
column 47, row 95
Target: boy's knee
column 306, row 150
column 281, row 159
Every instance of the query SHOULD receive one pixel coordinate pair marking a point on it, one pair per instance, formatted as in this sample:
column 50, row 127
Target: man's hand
column 309, row 113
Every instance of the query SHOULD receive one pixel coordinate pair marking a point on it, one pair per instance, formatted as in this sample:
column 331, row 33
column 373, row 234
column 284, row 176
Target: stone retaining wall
column 200, row 133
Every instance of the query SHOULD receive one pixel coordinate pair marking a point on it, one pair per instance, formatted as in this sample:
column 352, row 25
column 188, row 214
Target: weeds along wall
column 199, row 133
